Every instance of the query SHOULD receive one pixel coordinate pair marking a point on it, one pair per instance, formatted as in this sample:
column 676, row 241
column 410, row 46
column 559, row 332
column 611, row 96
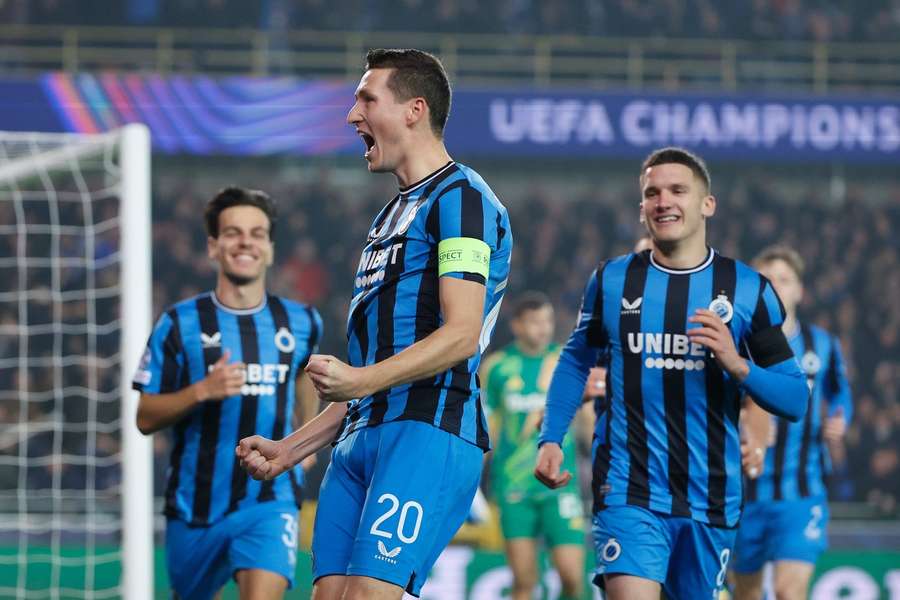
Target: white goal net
column 74, row 316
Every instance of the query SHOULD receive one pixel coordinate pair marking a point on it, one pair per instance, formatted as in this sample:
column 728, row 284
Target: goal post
column 76, row 476
column 136, row 315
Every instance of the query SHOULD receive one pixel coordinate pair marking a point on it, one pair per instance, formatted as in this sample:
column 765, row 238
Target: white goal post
column 76, row 499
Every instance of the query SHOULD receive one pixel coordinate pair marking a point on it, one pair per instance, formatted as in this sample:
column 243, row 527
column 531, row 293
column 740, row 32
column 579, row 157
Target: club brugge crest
column 811, row 363
column 284, row 340
column 611, row 550
column 722, row 307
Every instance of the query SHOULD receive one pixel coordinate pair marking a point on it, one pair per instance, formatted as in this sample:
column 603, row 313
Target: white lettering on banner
column 822, row 127
column 889, row 123
column 633, row 118
column 545, row 121
column 740, row 123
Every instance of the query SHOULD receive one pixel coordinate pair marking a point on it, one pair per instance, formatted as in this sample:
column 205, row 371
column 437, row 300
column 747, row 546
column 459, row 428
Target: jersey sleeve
column 586, row 344
column 765, row 342
column 775, row 380
column 464, row 225
column 836, row 387
column 162, row 364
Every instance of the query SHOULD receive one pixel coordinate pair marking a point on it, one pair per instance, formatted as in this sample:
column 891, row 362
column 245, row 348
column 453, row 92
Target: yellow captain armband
column 462, row 254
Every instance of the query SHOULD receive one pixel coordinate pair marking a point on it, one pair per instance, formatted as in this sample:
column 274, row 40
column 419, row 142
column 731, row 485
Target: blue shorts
column 392, row 498
column 781, row 530
column 687, row 557
column 202, row 559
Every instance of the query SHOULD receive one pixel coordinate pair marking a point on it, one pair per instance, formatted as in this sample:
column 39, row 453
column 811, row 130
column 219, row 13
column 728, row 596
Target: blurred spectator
column 818, row 20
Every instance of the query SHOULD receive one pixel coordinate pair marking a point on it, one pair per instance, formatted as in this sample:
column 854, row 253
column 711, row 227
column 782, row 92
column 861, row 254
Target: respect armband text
column 462, row 254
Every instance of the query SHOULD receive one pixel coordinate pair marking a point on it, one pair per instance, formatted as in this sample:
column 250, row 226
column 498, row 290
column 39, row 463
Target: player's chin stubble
column 240, row 280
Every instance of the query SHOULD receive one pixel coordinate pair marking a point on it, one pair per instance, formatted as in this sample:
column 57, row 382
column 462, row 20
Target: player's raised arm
column 462, row 305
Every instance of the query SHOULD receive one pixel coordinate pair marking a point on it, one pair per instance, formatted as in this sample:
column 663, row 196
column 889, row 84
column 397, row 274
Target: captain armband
column 463, row 255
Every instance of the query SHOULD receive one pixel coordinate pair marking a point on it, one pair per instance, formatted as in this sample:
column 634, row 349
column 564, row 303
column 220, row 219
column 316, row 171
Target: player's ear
column 416, row 111
column 641, row 218
column 211, row 247
column 708, row 207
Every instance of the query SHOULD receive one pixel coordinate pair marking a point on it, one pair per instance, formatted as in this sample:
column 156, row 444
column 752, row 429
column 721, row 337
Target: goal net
column 75, row 302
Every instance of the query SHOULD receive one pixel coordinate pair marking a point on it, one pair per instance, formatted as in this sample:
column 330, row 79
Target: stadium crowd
column 820, row 20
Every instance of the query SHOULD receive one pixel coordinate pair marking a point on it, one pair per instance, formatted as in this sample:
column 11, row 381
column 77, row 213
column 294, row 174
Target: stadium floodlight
column 76, row 516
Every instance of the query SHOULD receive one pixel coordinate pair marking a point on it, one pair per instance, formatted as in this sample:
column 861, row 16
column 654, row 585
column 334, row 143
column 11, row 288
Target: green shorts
column 558, row 517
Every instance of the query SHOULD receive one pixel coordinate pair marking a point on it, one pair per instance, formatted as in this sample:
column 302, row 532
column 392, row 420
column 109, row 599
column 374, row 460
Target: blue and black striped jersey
column 396, row 299
column 667, row 439
column 205, row 479
column 798, row 462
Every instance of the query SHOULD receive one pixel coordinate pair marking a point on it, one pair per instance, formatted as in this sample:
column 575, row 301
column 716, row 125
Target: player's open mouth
column 666, row 219
column 369, row 141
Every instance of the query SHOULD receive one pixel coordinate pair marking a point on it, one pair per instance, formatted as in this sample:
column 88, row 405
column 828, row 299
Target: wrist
column 741, row 370
column 200, row 393
column 365, row 381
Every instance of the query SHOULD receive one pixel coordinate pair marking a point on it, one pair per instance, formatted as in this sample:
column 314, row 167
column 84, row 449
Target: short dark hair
column 530, row 300
column 238, row 196
column 679, row 156
column 781, row 252
column 416, row 74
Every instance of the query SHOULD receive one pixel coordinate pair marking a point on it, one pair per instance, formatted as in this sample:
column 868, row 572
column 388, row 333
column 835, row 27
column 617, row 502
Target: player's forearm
column 317, row 433
column 158, row 411
column 757, row 423
column 842, row 402
column 564, row 397
column 780, row 389
column 444, row 348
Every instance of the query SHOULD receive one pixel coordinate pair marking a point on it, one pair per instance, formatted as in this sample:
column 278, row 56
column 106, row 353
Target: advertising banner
column 259, row 116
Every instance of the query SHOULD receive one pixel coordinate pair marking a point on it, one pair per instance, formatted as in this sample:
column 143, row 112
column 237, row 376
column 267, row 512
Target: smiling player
column 219, row 367
column 676, row 325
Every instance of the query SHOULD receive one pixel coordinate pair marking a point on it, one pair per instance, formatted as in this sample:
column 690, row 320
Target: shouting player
column 406, row 409
column 676, row 325
column 220, row 367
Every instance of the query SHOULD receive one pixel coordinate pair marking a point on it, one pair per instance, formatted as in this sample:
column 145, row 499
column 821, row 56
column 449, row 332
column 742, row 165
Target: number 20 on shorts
column 409, row 511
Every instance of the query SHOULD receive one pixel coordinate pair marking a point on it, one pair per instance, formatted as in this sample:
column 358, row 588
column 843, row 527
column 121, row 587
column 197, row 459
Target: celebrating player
column 787, row 511
column 409, row 447
column 676, row 324
column 219, row 367
column 516, row 380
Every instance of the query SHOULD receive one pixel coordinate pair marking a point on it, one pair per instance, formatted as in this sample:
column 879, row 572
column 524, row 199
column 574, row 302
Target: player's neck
column 686, row 254
column 240, row 297
column 530, row 350
column 421, row 161
column 790, row 325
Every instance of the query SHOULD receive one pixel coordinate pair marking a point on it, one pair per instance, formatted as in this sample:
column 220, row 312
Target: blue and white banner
column 247, row 116
column 585, row 124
